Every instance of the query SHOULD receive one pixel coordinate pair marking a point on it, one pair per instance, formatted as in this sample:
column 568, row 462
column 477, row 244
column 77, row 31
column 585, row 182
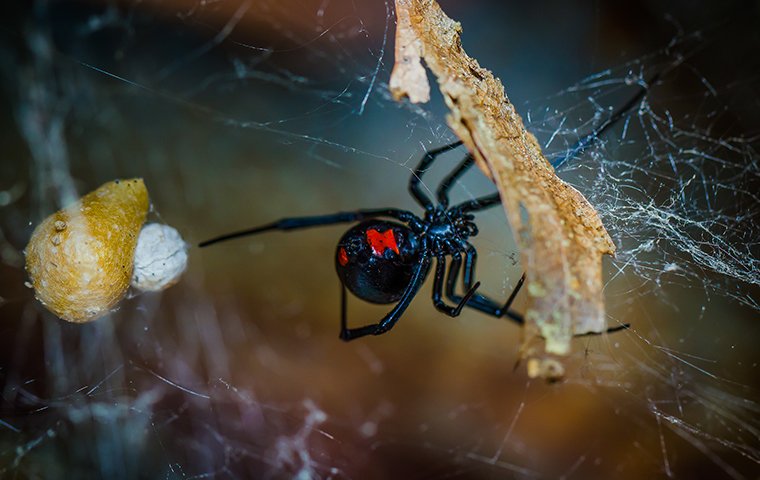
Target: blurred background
column 238, row 113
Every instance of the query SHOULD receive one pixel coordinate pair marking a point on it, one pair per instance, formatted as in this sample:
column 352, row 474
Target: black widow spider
column 383, row 261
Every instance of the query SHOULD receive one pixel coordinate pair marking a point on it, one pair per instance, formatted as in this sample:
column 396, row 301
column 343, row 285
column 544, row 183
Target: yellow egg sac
column 80, row 258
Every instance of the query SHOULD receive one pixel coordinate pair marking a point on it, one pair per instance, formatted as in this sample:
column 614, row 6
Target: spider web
column 240, row 112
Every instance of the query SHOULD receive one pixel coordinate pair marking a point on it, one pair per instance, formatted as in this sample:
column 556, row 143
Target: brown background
column 224, row 373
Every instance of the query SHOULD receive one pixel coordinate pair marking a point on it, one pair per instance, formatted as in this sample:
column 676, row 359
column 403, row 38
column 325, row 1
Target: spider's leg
column 440, row 272
column 387, row 323
column 414, row 181
column 589, row 139
column 622, row 326
column 488, row 306
column 478, row 301
column 470, row 260
column 451, row 278
column 468, row 277
column 343, row 309
column 482, row 303
column 318, row 221
column 445, row 186
column 478, row 204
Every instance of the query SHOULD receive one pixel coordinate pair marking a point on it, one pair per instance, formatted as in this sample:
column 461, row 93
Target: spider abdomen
column 375, row 260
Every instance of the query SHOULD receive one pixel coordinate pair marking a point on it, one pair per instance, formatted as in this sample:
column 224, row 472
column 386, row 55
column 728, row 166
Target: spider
column 387, row 256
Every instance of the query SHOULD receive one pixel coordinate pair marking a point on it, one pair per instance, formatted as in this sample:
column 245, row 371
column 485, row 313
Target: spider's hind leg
column 389, row 320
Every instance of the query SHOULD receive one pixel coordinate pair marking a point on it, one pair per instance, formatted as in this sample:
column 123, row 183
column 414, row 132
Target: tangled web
column 683, row 193
column 239, row 112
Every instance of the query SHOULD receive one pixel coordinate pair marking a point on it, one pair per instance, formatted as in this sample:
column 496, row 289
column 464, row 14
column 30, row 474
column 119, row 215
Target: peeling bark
column 560, row 236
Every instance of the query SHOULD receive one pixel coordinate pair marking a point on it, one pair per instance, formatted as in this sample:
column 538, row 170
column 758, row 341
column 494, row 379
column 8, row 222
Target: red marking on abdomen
column 342, row 257
column 380, row 241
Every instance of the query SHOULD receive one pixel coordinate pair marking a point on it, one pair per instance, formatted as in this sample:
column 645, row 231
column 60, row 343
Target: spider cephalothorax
column 447, row 231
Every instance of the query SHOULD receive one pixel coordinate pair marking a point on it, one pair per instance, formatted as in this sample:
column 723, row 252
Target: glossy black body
column 373, row 276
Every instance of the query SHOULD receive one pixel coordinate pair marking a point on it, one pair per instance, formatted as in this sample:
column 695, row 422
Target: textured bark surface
column 560, row 236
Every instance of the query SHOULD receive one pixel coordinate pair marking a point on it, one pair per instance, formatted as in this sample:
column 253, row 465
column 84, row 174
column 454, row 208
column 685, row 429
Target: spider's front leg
column 425, row 163
column 389, row 321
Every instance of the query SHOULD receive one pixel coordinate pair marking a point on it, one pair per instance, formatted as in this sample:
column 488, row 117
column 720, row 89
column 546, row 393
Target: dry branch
column 560, row 235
